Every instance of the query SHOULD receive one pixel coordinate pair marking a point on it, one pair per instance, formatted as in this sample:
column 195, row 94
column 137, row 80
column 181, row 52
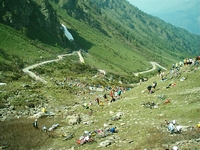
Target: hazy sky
column 142, row 4
column 181, row 13
column 158, row 6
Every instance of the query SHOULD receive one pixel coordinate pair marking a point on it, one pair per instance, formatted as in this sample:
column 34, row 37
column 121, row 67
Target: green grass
column 140, row 123
column 119, row 57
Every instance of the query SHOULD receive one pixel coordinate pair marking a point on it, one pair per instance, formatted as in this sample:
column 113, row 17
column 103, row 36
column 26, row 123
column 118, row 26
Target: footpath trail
column 36, row 77
column 154, row 64
column 60, row 57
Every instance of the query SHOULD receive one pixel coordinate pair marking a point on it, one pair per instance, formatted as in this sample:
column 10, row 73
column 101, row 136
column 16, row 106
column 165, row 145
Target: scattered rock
column 105, row 143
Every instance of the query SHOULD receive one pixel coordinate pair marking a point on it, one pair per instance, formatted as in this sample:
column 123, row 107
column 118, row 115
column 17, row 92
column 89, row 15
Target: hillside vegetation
column 139, row 126
column 115, row 33
column 112, row 36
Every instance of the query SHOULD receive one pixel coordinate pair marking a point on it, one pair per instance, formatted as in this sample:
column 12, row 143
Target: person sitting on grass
column 113, row 129
column 171, row 127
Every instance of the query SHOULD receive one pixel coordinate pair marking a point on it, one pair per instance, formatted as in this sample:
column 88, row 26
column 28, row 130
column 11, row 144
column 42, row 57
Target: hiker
column 119, row 93
column 174, row 122
column 149, row 89
column 116, row 94
column 97, row 99
column 185, row 62
column 90, row 103
column 162, row 75
column 113, row 99
column 180, row 63
column 111, row 93
column 171, row 127
column 86, row 105
column 168, row 86
column 105, row 97
column 190, row 61
column 154, row 84
column 113, row 129
column 35, row 124
column 100, row 103
column 159, row 71
column 197, row 62
column 44, row 128
column 140, row 81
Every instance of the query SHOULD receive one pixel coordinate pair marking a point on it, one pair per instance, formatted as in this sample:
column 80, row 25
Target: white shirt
column 175, row 148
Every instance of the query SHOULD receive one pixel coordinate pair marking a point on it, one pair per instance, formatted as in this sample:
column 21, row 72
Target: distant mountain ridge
column 181, row 13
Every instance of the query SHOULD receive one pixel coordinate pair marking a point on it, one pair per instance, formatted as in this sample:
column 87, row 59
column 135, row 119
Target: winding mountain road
column 154, row 64
column 60, row 57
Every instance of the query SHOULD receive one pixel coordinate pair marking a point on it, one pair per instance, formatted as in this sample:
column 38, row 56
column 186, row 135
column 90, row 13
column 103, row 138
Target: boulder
column 105, row 143
column 75, row 119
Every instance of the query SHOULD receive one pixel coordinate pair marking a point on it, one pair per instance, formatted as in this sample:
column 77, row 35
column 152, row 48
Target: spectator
column 149, row 89
column 113, row 99
column 119, row 93
column 113, row 129
column 154, row 84
column 97, row 99
column 140, row 81
column 105, row 97
column 111, row 93
column 159, row 71
column 35, row 124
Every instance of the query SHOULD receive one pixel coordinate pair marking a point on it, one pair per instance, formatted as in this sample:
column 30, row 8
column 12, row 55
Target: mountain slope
column 113, row 36
column 35, row 19
column 129, row 22
column 121, row 38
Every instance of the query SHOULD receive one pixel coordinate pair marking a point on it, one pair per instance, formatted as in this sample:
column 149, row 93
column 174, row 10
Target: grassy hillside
column 118, row 28
column 139, row 127
column 121, row 38
column 119, row 42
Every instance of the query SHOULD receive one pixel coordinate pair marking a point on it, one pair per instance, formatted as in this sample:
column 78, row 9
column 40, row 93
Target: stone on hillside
column 198, row 140
column 122, row 124
column 105, row 125
column 165, row 146
column 26, row 85
column 99, row 89
column 105, row 143
column 88, row 122
column 3, row 84
column 161, row 115
column 41, row 114
column 3, row 118
column 111, row 112
column 119, row 114
column 26, row 107
column 75, row 119
column 12, row 107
